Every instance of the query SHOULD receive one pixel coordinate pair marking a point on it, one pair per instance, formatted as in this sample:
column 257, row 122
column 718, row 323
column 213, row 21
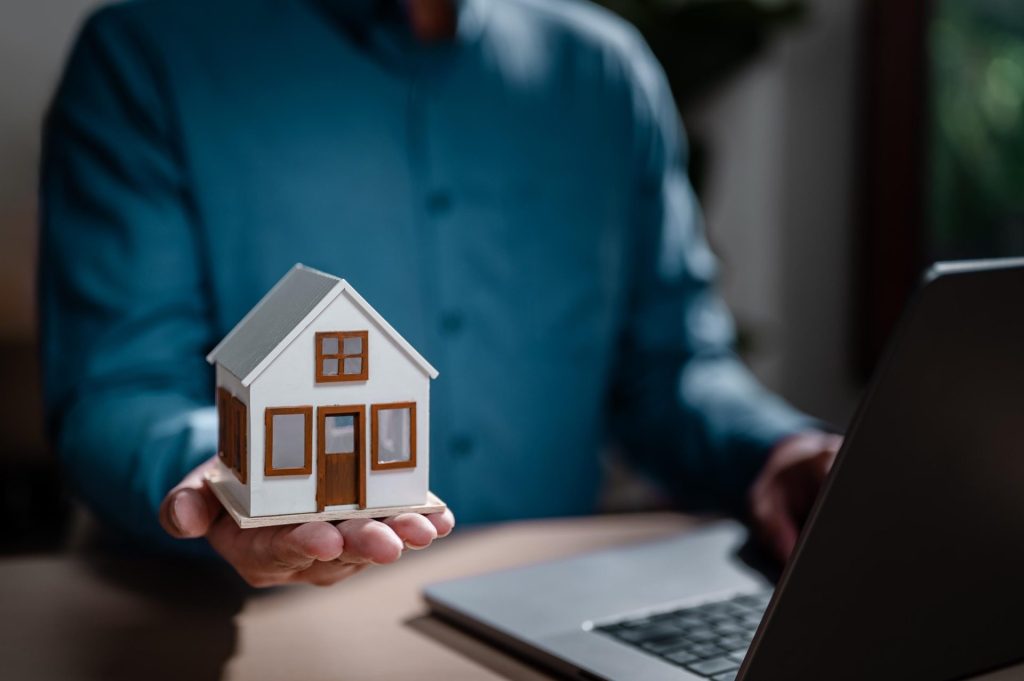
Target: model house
column 324, row 409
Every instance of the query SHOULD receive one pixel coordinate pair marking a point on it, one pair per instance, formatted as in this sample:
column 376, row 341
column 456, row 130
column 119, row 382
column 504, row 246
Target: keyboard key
column 655, row 631
column 630, row 635
column 681, row 657
column 734, row 642
column 688, row 621
column 701, row 635
column 662, row 629
column 710, row 639
column 709, row 609
column 752, row 620
column 713, row 666
column 665, row 645
column 755, row 601
column 706, row 650
column 730, row 628
column 734, row 608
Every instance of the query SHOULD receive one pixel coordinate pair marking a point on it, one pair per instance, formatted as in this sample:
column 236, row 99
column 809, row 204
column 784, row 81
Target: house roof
column 287, row 309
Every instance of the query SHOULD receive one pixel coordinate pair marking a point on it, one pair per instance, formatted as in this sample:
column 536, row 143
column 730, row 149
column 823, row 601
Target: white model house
column 324, row 409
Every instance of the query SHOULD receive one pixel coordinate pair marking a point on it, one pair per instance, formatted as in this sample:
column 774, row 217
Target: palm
column 319, row 552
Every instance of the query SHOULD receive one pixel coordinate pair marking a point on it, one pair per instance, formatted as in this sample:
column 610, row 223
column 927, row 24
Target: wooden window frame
column 223, row 426
column 341, row 356
column 321, row 449
column 375, row 463
column 239, row 420
column 268, row 445
column 232, row 434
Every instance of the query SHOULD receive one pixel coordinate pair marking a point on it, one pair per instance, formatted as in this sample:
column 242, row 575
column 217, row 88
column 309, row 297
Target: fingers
column 802, row 481
column 327, row 574
column 190, row 508
column 784, row 493
column 823, row 461
column 268, row 556
column 319, row 552
column 296, row 547
column 777, row 527
column 443, row 522
column 372, row 541
column 415, row 531
column 369, row 541
column 189, row 512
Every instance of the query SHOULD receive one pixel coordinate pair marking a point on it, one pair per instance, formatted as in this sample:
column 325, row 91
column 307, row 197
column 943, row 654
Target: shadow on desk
column 503, row 664
column 118, row 618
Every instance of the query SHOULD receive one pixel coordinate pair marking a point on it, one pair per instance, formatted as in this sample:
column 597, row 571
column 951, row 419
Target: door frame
column 359, row 440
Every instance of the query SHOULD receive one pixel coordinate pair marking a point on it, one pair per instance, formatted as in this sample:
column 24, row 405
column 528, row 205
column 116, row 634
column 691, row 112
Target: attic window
column 341, row 356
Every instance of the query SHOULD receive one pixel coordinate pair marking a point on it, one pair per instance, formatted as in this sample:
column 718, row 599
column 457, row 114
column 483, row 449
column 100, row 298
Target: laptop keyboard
column 709, row 640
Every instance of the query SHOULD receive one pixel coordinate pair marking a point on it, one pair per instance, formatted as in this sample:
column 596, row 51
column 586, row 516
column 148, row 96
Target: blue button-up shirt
column 513, row 200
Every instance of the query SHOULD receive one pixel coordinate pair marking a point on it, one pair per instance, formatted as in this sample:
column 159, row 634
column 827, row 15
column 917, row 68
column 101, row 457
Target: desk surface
column 74, row 617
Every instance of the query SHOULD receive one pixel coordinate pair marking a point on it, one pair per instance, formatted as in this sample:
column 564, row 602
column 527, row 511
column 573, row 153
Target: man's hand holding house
column 318, row 552
column 324, row 416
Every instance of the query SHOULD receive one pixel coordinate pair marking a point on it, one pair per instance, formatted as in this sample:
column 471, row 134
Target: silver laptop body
column 911, row 566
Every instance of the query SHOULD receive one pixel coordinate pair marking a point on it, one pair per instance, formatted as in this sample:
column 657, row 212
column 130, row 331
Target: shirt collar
column 365, row 12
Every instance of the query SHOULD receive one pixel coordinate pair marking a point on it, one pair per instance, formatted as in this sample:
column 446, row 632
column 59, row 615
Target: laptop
column 911, row 565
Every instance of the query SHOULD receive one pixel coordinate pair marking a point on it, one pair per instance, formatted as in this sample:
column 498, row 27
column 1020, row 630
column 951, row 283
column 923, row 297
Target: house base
column 213, row 479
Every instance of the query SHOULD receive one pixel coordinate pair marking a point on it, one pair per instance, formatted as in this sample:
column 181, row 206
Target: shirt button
column 462, row 446
column 439, row 202
column 452, row 322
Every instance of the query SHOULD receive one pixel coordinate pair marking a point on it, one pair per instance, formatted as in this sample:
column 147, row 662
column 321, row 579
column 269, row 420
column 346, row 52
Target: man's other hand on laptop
column 782, row 496
column 318, row 553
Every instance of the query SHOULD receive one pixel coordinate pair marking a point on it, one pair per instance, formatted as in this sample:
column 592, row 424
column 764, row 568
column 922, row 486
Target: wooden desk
column 71, row 617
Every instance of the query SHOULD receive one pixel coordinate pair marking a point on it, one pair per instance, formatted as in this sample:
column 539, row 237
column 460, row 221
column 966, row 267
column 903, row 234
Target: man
column 505, row 180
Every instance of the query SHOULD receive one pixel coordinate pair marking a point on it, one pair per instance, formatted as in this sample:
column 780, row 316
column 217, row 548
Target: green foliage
column 976, row 168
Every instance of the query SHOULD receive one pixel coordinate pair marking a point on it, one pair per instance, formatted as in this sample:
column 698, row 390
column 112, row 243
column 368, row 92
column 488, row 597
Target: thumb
column 823, row 464
column 774, row 525
column 782, row 534
column 189, row 509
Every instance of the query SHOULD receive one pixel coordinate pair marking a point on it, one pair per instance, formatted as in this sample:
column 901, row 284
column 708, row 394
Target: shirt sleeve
column 122, row 301
column 687, row 410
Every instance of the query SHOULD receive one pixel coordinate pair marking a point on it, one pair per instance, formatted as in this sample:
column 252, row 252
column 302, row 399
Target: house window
column 340, row 433
column 341, row 356
column 393, row 436
column 289, row 441
column 232, row 433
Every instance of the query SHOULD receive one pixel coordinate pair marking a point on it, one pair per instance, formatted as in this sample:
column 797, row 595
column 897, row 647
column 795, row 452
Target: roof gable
column 281, row 315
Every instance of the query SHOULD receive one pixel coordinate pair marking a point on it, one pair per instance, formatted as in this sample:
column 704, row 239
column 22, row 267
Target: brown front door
column 340, row 456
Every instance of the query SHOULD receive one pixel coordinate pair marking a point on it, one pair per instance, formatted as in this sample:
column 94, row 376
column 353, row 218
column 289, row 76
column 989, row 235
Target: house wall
column 290, row 381
column 228, row 381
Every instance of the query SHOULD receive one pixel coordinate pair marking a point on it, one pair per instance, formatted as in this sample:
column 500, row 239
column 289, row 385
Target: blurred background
column 838, row 147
